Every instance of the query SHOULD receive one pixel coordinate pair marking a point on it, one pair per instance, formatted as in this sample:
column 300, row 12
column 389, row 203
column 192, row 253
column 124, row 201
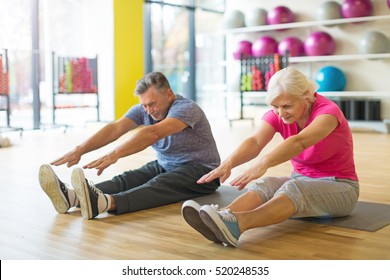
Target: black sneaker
column 92, row 200
column 60, row 195
column 190, row 212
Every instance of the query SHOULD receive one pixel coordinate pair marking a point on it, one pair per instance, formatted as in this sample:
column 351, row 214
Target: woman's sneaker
column 190, row 211
column 60, row 195
column 92, row 200
column 223, row 223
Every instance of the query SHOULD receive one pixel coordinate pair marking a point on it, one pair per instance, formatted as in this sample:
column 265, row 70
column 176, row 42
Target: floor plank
column 31, row 229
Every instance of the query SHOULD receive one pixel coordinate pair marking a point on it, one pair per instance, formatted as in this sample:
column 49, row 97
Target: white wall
column 362, row 75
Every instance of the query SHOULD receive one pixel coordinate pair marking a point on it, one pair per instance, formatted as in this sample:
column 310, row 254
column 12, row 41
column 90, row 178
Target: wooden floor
column 31, row 229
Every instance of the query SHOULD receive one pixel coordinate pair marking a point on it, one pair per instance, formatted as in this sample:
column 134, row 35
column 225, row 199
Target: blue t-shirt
column 193, row 144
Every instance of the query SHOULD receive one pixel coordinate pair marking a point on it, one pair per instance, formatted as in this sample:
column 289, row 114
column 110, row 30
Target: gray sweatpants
column 312, row 197
column 151, row 186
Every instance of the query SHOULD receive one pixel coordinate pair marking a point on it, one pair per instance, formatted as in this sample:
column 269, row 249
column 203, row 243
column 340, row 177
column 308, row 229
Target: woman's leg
column 302, row 198
column 324, row 197
column 274, row 211
column 227, row 226
column 258, row 193
column 299, row 197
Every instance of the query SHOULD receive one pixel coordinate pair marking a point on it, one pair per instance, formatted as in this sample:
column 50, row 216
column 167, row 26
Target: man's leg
column 131, row 179
column 166, row 188
column 95, row 200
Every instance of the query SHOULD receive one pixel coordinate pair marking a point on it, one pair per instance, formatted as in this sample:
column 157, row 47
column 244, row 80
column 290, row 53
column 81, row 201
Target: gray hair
column 156, row 79
column 290, row 81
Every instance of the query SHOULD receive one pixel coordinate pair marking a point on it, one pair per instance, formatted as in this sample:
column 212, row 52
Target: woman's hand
column 249, row 175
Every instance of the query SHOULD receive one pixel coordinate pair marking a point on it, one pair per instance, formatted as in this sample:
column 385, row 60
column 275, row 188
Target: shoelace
column 216, row 209
column 64, row 187
column 94, row 189
column 228, row 216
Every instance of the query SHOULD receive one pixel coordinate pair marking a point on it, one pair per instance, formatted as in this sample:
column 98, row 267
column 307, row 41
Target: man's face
column 156, row 103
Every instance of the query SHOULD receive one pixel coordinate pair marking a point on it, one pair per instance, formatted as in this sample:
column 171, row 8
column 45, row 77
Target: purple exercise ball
column 243, row 48
column 280, row 14
column 319, row 43
column 265, row 45
column 356, row 8
column 291, row 44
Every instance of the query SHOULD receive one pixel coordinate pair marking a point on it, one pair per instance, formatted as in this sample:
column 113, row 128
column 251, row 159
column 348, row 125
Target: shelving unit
column 305, row 24
column 325, row 58
column 74, row 76
column 255, row 73
column 382, row 126
column 4, row 92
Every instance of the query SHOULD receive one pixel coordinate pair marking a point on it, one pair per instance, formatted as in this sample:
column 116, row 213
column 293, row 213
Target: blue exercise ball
column 331, row 78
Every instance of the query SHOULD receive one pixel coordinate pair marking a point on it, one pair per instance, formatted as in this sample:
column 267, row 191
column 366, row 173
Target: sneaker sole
column 51, row 186
column 80, row 186
column 214, row 222
column 192, row 217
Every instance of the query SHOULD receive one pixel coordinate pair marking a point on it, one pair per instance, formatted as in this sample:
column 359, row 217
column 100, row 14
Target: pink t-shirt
column 330, row 157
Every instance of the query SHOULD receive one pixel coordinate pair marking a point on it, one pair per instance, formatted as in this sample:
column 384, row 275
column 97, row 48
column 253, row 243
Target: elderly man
column 174, row 126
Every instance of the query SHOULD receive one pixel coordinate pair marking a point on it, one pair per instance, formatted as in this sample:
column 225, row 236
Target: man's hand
column 71, row 158
column 103, row 162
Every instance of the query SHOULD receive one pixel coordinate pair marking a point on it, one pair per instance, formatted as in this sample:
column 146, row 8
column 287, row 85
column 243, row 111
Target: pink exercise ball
column 292, row 45
column 356, row 8
column 319, row 43
column 264, row 45
column 280, row 14
column 388, row 3
column 243, row 48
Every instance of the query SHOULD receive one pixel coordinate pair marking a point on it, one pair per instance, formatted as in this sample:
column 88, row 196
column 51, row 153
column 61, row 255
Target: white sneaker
column 190, row 212
column 60, row 195
column 92, row 200
column 5, row 142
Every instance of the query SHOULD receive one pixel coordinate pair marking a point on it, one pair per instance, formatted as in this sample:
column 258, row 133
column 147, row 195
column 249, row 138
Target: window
column 181, row 45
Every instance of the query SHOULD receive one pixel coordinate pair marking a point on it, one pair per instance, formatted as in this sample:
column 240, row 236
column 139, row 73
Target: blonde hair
column 290, row 81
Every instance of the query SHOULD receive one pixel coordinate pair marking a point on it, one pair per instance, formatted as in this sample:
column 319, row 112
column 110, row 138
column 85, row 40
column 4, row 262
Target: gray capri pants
column 312, row 197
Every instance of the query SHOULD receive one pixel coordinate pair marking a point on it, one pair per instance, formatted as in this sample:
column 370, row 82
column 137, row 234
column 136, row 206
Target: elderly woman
column 317, row 141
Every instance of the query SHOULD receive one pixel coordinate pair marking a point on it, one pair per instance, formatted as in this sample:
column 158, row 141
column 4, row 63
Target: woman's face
column 290, row 108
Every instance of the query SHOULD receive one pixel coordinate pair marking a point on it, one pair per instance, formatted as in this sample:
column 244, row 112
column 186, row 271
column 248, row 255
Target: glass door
column 178, row 44
column 170, row 44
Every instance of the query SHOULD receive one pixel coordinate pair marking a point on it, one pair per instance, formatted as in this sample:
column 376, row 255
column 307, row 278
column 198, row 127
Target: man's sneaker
column 190, row 211
column 5, row 142
column 92, row 200
column 223, row 223
column 60, row 195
